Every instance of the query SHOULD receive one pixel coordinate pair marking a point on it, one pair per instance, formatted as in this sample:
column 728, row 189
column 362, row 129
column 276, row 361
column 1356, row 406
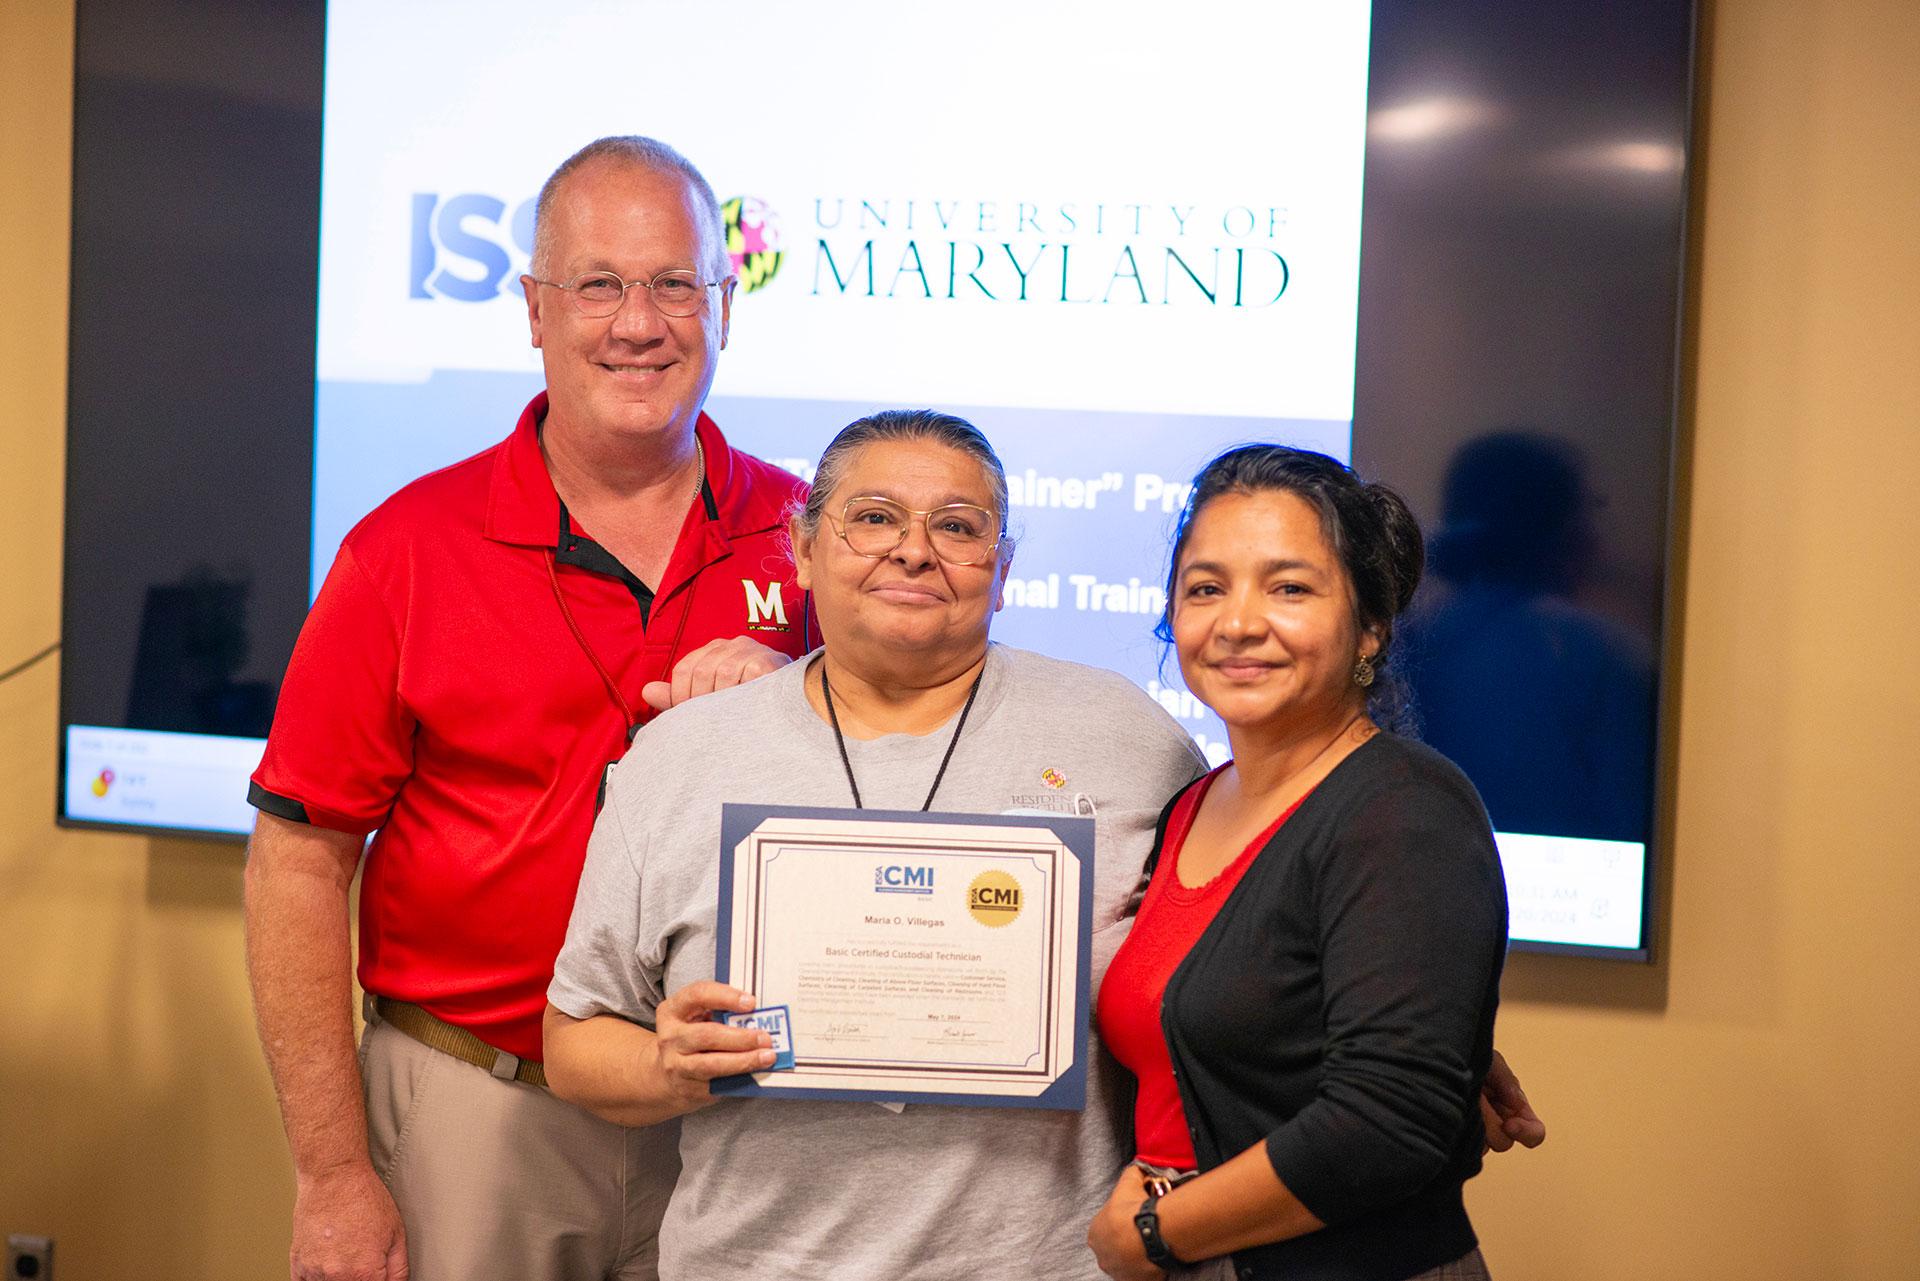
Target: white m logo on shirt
column 764, row 605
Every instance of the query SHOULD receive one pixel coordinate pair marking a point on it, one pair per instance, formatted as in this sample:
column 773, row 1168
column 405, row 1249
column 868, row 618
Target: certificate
column 925, row 958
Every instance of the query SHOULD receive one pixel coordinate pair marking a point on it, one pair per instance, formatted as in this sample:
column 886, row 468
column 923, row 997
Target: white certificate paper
column 930, row 958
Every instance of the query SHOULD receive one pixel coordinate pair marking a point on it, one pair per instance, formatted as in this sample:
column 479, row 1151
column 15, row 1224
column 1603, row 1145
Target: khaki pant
column 498, row 1179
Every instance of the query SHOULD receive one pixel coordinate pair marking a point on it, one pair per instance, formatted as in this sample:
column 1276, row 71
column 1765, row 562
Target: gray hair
column 641, row 153
column 903, row 424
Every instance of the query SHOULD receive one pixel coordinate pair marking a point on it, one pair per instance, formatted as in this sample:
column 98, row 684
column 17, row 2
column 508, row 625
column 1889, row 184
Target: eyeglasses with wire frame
column 958, row 533
column 598, row 294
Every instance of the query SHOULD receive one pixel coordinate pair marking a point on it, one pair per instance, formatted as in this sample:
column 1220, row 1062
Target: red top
column 1172, row 919
column 437, row 693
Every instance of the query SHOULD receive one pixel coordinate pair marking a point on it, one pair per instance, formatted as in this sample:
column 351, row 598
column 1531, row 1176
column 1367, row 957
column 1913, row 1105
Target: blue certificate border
column 1068, row 1091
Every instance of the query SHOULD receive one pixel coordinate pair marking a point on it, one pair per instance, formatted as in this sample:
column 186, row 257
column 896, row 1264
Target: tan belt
column 460, row 1043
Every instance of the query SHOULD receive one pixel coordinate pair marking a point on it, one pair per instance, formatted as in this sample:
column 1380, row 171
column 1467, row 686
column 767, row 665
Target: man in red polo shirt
column 483, row 648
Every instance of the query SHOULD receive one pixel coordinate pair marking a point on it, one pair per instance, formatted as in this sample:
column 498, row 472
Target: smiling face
column 907, row 610
column 1263, row 615
column 635, row 373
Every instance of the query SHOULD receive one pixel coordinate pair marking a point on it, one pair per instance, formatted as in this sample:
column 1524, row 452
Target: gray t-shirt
column 778, row 1188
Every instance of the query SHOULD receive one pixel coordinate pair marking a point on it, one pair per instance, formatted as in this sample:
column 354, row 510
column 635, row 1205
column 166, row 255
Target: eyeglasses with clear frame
column 959, row 533
column 598, row 294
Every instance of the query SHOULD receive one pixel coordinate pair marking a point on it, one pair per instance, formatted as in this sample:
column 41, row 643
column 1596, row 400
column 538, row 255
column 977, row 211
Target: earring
column 1363, row 671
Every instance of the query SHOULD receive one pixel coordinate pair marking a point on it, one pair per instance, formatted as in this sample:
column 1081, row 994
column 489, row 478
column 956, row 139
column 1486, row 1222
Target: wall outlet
column 29, row 1258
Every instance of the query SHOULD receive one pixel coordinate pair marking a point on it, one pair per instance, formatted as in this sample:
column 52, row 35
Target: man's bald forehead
column 636, row 155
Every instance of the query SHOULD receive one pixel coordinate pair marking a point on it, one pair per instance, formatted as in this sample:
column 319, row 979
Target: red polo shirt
column 438, row 694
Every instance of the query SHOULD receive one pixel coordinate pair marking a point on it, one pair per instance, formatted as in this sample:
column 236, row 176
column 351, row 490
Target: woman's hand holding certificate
column 691, row 1048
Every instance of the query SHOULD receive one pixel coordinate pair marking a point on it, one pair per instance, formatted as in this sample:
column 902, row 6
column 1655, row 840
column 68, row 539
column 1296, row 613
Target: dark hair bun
column 1403, row 550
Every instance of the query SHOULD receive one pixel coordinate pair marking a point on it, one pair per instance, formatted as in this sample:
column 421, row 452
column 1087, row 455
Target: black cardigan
column 1340, row 1009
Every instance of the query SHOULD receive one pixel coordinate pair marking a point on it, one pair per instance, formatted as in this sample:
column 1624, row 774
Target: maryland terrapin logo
column 753, row 241
column 1053, row 778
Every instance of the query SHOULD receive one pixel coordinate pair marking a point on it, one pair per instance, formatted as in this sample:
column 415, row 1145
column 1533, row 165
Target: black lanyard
column 833, row 717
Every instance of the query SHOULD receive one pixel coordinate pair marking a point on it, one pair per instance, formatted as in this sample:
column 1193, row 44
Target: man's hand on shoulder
column 346, row 1228
column 719, row 664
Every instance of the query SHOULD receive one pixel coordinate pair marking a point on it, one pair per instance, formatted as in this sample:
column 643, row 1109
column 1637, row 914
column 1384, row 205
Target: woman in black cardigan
column 1308, row 993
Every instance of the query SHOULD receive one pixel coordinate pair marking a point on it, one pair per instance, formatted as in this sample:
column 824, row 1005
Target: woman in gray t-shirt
column 903, row 547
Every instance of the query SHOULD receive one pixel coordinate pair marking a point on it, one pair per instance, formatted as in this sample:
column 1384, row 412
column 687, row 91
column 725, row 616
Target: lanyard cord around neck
column 840, row 741
column 630, row 721
column 627, row 718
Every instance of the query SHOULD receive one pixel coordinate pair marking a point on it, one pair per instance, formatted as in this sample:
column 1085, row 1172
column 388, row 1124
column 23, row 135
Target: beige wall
column 1744, row 1110
column 136, row 1123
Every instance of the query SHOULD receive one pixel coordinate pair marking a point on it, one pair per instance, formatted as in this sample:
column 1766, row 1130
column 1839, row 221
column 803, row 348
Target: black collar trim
column 581, row 552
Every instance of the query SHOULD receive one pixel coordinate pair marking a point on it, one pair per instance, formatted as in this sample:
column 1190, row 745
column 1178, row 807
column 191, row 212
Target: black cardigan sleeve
column 1410, row 912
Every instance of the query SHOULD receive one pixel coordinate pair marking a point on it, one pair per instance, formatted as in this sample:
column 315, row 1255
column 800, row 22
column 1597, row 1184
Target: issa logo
column 469, row 248
column 460, row 246
column 895, row 879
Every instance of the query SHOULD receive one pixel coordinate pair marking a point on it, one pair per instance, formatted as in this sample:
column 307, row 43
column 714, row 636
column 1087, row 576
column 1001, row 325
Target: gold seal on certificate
column 932, row 958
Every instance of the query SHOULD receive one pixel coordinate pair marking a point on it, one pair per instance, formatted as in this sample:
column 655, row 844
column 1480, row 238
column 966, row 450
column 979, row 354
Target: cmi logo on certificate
column 892, row 878
column 994, row 899
column 925, row 958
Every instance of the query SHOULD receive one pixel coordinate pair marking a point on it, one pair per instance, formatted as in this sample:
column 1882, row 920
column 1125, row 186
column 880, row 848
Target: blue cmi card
column 776, row 1022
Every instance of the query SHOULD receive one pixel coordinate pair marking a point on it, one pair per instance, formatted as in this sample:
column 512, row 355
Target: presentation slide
column 1111, row 291
column 1111, row 288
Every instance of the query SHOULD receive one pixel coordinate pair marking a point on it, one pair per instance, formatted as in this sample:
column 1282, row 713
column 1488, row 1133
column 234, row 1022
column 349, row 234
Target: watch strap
column 1146, row 1221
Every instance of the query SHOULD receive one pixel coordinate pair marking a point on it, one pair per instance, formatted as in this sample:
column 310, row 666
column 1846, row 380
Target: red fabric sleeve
column 342, row 737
